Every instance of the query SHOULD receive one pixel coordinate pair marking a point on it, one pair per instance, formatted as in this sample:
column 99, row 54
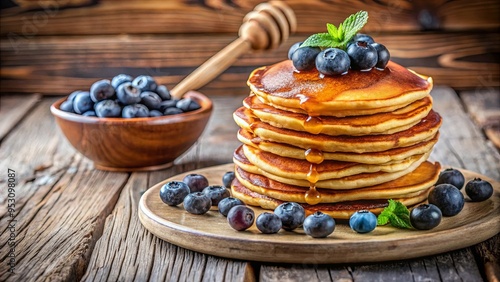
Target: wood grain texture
column 12, row 110
column 180, row 16
column 59, row 65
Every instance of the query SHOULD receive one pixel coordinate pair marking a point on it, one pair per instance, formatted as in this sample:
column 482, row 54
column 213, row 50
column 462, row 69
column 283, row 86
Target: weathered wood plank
column 12, row 109
column 59, row 65
column 60, row 201
column 129, row 251
column 154, row 16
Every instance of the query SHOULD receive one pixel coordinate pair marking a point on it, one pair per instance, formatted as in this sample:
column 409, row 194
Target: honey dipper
column 266, row 27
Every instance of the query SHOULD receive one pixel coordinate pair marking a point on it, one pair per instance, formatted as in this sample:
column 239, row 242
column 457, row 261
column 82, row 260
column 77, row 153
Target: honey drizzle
column 315, row 157
column 313, row 125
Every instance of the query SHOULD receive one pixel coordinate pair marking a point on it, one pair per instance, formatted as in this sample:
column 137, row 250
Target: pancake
column 284, row 150
column 381, row 123
column 281, row 86
column 348, row 182
column 299, row 169
column 420, row 179
column 425, row 130
column 341, row 210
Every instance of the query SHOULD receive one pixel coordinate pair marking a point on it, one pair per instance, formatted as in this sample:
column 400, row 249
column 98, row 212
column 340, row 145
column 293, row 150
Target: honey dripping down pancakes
column 335, row 143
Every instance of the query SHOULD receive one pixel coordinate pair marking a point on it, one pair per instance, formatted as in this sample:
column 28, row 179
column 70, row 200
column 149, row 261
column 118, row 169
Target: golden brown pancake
column 299, row 169
column 420, row 179
column 381, row 123
column 348, row 182
column 284, row 150
column 340, row 210
column 281, row 86
column 421, row 132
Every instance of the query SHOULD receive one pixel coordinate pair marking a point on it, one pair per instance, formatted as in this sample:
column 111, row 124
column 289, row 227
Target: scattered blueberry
column 173, row 193
column 119, row 79
column 135, row 110
column 226, row 204
column 162, row 90
column 332, row 61
column 451, row 176
column 216, row 193
column 145, row 83
column 197, row 203
column 195, row 182
column 479, row 190
column 155, row 113
column 319, row 225
column 151, row 100
column 101, row 90
column 425, row 216
column 108, row 108
column 363, row 56
column 67, row 106
column 447, row 198
column 268, row 223
column 240, row 217
column 362, row 37
column 292, row 49
column 187, row 105
column 383, row 55
column 292, row 215
column 304, row 58
column 172, row 111
column 363, row 221
column 83, row 102
column 228, row 178
column 128, row 94
column 89, row 114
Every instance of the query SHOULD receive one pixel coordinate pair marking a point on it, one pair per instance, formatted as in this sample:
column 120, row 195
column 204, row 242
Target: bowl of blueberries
column 131, row 124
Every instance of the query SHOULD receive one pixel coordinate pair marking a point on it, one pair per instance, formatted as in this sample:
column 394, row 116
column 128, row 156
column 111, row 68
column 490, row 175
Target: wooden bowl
column 136, row 144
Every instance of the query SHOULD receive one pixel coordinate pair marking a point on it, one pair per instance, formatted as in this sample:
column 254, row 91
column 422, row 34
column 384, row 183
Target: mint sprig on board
column 397, row 214
column 338, row 37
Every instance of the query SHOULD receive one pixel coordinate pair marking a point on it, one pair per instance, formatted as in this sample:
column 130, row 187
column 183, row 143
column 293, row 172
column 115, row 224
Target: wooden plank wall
column 57, row 46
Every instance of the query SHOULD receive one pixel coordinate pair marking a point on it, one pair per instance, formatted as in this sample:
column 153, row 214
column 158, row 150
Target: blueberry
column 304, row 57
column 145, row 83
column 292, row 49
column 164, row 105
column 83, row 102
column 363, row 221
column 451, row 176
column 155, row 113
column 478, row 190
column 67, row 106
column 187, row 105
column 240, row 217
column 135, row 110
column 291, row 214
column 319, row 225
column 151, row 100
column 162, row 90
column 173, row 193
column 119, row 79
column 89, row 114
column 101, row 90
column 226, row 204
column 71, row 97
column 383, row 55
column 362, row 37
column 447, row 198
column 216, row 193
column 363, row 56
column 268, row 223
column 172, row 111
column 108, row 108
column 197, row 203
column 128, row 94
column 195, row 182
column 227, row 179
column 425, row 217
column 333, row 61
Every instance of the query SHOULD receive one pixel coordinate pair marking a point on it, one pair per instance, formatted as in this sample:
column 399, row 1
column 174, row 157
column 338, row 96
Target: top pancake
column 281, row 86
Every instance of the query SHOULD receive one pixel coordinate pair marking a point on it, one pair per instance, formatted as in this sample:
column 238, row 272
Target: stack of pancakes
column 335, row 143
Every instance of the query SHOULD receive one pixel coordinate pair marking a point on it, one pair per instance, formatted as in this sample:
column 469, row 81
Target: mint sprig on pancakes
column 338, row 37
column 397, row 214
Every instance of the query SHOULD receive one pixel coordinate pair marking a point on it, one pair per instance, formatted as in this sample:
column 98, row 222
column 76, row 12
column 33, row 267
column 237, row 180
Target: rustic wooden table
column 72, row 222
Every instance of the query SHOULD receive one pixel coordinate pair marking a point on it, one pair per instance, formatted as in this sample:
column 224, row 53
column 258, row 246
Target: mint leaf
column 318, row 40
column 333, row 31
column 397, row 214
column 354, row 23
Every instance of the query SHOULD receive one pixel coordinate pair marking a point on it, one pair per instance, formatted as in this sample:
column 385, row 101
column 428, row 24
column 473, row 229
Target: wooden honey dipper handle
column 267, row 26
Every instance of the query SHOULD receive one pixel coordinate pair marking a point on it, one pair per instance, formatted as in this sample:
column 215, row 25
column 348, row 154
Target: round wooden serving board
column 210, row 233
